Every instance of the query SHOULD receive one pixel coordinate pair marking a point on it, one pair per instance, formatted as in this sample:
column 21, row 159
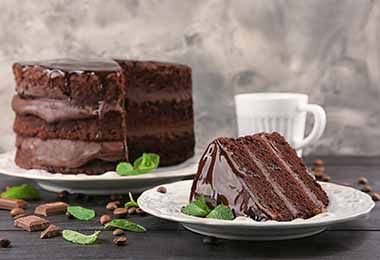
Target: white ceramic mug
column 284, row 113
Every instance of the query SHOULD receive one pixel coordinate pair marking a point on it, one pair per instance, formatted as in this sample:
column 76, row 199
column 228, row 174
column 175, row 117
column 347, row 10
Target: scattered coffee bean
column 116, row 197
column 17, row 211
column 5, row 242
column 210, row 240
column 318, row 162
column 63, row 195
column 326, row 178
column 112, row 205
column 362, row 180
column 118, row 232
column 131, row 210
column 104, row 219
column 161, row 189
column 375, row 196
column 139, row 211
column 120, row 241
column 120, row 212
column 366, row 188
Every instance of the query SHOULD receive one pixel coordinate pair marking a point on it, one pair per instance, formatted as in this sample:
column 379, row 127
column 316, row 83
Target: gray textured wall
column 327, row 49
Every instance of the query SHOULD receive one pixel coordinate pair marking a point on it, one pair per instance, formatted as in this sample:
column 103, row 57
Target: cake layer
column 84, row 82
column 66, row 153
column 55, row 110
column 109, row 129
column 257, row 177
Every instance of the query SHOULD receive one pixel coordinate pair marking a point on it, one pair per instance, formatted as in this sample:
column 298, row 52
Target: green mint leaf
column 125, row 169
column 131, row 202
column 78, row 238
column 81, row 213
column 144, row 164
column 197, row 208
column 25, row 192
column 221, row 212
column 126, row 225
column 147, row 162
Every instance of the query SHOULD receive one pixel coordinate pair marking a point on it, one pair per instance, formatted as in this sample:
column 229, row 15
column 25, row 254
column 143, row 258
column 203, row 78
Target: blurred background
column 327, row 49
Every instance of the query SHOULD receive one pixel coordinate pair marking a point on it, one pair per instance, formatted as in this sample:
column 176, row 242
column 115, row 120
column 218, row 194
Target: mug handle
column 319, row 115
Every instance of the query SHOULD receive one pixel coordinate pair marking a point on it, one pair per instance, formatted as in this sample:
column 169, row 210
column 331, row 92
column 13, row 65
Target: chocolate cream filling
column 55, row 110
column 68, row 153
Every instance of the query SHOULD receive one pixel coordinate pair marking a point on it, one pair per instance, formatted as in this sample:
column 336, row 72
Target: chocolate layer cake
column 76, row 116
column 259, row 176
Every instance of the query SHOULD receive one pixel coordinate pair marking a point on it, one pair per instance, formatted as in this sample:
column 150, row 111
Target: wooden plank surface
column 167, row 240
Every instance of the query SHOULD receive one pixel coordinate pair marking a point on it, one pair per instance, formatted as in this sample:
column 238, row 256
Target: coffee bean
column 318, row 162
column 326, row 178
column 131, row 210
column 161, row 189
column 17, row 211
column 118, row 232
column 104, row 219
column 362, row 180
column 112, row 205
column 120, row 241
column 139, row 211
column 5, row 242
column 366, row 188
column 210, row 240
column 120, row 212
column 375, row 196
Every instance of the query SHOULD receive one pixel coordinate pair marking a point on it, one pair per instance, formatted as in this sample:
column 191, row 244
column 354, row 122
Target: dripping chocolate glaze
column 221, row 182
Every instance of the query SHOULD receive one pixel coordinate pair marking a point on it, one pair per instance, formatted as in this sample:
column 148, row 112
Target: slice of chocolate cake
column 259, row 176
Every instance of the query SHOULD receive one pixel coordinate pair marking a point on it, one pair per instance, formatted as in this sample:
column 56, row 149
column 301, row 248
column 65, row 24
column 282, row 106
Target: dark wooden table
column 166, row 240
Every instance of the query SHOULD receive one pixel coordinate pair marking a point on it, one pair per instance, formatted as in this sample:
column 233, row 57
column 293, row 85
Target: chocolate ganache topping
column 220, row 180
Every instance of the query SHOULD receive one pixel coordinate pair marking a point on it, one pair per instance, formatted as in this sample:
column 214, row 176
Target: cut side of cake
column 85, row 116
column 259, row 176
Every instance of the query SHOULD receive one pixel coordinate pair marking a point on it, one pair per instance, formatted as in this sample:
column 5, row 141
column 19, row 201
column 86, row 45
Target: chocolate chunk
column 12, row 203
column 52, row 208
column 51, row 231
column 31, row 223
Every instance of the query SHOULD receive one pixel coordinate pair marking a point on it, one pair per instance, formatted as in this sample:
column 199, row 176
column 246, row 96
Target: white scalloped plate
column 107, row 183
column 346, row 204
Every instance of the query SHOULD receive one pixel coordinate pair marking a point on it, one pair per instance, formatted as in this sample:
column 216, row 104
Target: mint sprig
column 144, row 164
column 197, row 208
column 24, row 192
column 78, row 238
column 126, row 225
column 221, row 212
column 131, row 202
column 81, row 213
